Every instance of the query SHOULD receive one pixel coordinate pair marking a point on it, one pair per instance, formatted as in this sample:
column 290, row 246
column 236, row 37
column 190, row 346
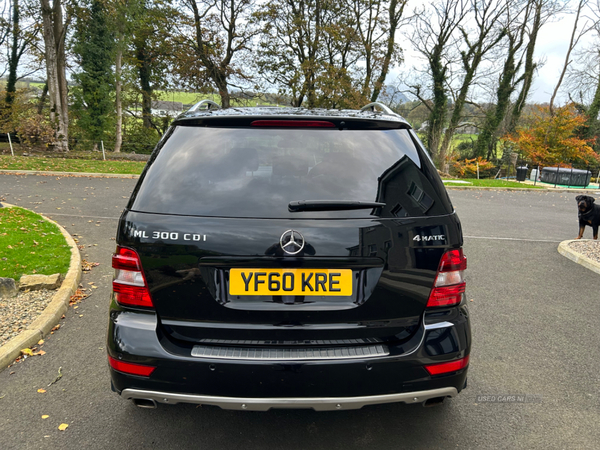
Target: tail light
column 129, row 284
column 447, row 367
column 449, row 283
column 131, row 368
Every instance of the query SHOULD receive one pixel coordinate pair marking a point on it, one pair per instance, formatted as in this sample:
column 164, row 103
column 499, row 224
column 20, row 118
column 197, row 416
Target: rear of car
column 285, row 258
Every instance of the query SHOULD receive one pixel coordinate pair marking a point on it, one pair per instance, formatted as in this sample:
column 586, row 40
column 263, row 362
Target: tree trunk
column 593, row 126
column 438, row 111
column 13, row 60
column 54, row 35
column 457, row 111
column 118, row 102
column 42, row 100
column 144, row 75
column 221, row 81
column 530, row 67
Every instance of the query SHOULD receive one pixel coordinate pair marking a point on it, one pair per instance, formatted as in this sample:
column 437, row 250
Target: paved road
column 535, row 328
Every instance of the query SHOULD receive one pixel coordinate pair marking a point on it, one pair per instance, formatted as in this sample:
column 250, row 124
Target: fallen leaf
column 45, row 416
column 40, row 353
column 27, row 351
column 40, row 342
column 56, row 327
column 87, row 266
column 42, row 391
column 63, row 426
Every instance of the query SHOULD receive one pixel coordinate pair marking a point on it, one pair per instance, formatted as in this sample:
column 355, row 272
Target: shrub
column 468, row 167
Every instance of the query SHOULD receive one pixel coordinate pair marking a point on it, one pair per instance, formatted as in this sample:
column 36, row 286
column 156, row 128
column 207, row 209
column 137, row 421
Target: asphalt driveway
column 533, row 378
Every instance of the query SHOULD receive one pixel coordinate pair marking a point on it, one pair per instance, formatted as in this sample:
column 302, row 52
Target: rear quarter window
column 257, row 172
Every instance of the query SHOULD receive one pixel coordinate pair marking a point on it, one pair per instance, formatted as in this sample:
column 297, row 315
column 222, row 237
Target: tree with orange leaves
column 548, row 140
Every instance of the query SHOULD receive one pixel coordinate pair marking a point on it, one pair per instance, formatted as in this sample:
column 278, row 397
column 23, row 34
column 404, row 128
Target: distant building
column 164, row 108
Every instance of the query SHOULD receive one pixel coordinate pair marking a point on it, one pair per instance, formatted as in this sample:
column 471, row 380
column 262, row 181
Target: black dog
column 589, row 214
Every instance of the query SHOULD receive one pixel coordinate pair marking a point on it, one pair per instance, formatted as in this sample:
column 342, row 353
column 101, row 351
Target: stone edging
column 53, row 312
column 68, row 174
column 565, row 250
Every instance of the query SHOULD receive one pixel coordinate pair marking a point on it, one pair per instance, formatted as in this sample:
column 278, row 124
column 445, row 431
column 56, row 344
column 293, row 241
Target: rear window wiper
column 331, row 205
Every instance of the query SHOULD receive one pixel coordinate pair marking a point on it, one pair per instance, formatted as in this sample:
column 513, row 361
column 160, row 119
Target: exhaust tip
column 144, row 403
column 434, row 401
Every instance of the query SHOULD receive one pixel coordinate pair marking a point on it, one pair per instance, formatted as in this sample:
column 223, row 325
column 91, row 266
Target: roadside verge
column 68, row 174
column 53, row 312
column 565, row 250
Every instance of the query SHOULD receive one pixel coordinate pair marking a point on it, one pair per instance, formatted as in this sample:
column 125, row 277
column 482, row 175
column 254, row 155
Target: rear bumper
column 264, row 404
column 259, row 384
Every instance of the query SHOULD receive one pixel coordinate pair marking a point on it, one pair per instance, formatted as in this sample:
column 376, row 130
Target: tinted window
column 256, row 172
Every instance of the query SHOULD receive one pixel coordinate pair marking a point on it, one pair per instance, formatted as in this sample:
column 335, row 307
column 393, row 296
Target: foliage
column 29, row 244
column 137, row 138
column 94, row 46
column 468, row 167
column 548, row 140
column 35, row 130
column 21, row 116
column 328, row 54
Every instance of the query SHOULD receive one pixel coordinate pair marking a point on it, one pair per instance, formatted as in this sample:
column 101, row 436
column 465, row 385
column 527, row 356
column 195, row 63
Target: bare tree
column 583, row 77
column 223, row 31
column 542, row 10
column 376, row 23
column 575, row 36
column 477, row 43
column 435, row 37
column 515, row 26
column 290, row 51
column 21, row 37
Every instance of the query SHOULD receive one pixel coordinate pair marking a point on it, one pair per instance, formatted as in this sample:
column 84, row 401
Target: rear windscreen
column 257, row 172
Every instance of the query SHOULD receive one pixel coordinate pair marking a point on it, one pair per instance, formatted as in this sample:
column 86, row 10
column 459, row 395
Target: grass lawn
column 30, row 245
column 491, row 183
column 8, row 162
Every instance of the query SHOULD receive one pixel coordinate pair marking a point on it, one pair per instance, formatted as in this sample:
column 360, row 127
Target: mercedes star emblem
column 292, row 242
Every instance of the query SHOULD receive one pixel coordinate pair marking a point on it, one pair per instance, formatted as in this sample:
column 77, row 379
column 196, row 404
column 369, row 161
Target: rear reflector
column 129, row 284
column 129, row 295
column 131, row 368
column 293, row 123
column 449, row 285
column 447, row 367
column 446, row 296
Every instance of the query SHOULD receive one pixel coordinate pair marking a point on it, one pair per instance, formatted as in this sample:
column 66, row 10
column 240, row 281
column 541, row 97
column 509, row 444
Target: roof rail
column 371, row 107
column 209, row 105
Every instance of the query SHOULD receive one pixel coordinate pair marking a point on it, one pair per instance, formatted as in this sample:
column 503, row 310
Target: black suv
column 289, row 258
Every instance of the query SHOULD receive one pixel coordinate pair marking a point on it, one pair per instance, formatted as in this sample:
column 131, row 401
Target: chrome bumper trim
column 289, row 354
column 437, row 326
column 264, row 404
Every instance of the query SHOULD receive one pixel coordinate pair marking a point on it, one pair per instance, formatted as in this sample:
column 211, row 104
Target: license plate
column 290, row 282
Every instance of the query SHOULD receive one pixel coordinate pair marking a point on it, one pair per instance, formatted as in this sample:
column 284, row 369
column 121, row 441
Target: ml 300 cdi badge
column 289, row 258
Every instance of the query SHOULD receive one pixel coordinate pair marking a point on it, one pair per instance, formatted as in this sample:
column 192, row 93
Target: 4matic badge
column 422, row 238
